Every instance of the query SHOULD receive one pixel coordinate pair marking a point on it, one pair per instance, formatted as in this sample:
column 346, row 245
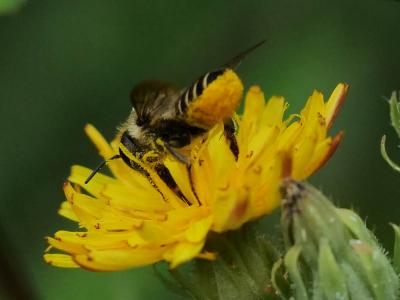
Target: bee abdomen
column 196, row 90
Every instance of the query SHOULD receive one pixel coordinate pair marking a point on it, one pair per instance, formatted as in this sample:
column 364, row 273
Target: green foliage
column 10, row 6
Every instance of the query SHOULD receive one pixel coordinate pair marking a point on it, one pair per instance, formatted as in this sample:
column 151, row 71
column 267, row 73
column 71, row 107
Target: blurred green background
column 66, row 63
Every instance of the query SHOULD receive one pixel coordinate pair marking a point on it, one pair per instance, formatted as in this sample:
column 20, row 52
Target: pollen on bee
column 218, row 101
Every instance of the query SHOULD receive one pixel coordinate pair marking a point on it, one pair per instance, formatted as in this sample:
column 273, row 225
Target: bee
column 164, row 119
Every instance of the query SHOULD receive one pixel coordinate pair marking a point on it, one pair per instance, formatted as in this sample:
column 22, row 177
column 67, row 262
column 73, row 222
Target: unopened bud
column 331, row 254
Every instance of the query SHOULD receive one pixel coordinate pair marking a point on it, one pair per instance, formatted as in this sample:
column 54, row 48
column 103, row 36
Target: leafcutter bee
column 165, row 119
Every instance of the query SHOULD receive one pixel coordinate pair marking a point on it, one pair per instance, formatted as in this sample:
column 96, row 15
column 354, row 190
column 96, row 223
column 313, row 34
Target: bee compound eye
column 179, row 141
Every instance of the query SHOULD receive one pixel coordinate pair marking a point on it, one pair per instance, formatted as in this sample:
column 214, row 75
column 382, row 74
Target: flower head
column 127, row 223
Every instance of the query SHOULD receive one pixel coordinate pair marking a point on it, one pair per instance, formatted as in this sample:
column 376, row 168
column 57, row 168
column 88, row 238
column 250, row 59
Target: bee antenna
column 100, row 166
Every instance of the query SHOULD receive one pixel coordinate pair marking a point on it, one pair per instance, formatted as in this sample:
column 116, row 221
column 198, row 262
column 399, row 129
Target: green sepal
column 331, row 277
column 280, row 281
column 356, row 226
column 242, row 269
column 380, row 275
column 317, row 217
column 291, row 261
column 396, row 250
column 357, row 287
column 373, row 261
column 172, row 281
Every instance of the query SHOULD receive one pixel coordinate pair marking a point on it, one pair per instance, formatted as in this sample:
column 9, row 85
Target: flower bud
column 331, row 254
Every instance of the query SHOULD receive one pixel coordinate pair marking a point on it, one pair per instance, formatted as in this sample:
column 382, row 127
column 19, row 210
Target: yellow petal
column 335, row 102
column 198, row 230
column 301, row 156
column 60, row 260
column 181, row 218
column 67, row 211
column 207, row 255
column 254, row 106
column 95, row 240
column 230, row 211
column 313, row 117
column 96, row 214
column 129, row 198
column 180, row 174
column 183, row 252
column 119, row 259
column 98, row 140
column 221, row 159
column 79, row 174
column 273, row 112
column 323, row 152
column 158, row 233
column 68, row 247
column 288, row 137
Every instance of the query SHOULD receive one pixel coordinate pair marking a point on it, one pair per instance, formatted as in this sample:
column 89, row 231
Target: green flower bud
column 396, row 251
column 331, row 254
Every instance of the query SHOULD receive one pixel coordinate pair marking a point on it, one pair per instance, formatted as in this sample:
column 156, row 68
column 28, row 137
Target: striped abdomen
column 196, row 90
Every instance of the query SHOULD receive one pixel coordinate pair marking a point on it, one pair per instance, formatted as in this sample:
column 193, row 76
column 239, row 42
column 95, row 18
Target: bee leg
column 189, row 169
column 184, row 159
column 176, row 154
column 146, row 174
column 166, row 176
column 229, row 132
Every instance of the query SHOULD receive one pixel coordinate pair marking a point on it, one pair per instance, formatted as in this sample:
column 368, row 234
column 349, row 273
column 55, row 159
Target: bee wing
column 154, row 99
column 234, row 62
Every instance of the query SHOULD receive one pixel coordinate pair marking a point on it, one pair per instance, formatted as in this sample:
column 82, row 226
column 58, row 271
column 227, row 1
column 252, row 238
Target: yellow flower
column 126, row 223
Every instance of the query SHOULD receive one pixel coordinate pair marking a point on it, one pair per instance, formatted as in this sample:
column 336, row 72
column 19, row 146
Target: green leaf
column 396, row 251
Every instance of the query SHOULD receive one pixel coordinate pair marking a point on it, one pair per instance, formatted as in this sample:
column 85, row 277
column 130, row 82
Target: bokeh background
column 66, row 63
